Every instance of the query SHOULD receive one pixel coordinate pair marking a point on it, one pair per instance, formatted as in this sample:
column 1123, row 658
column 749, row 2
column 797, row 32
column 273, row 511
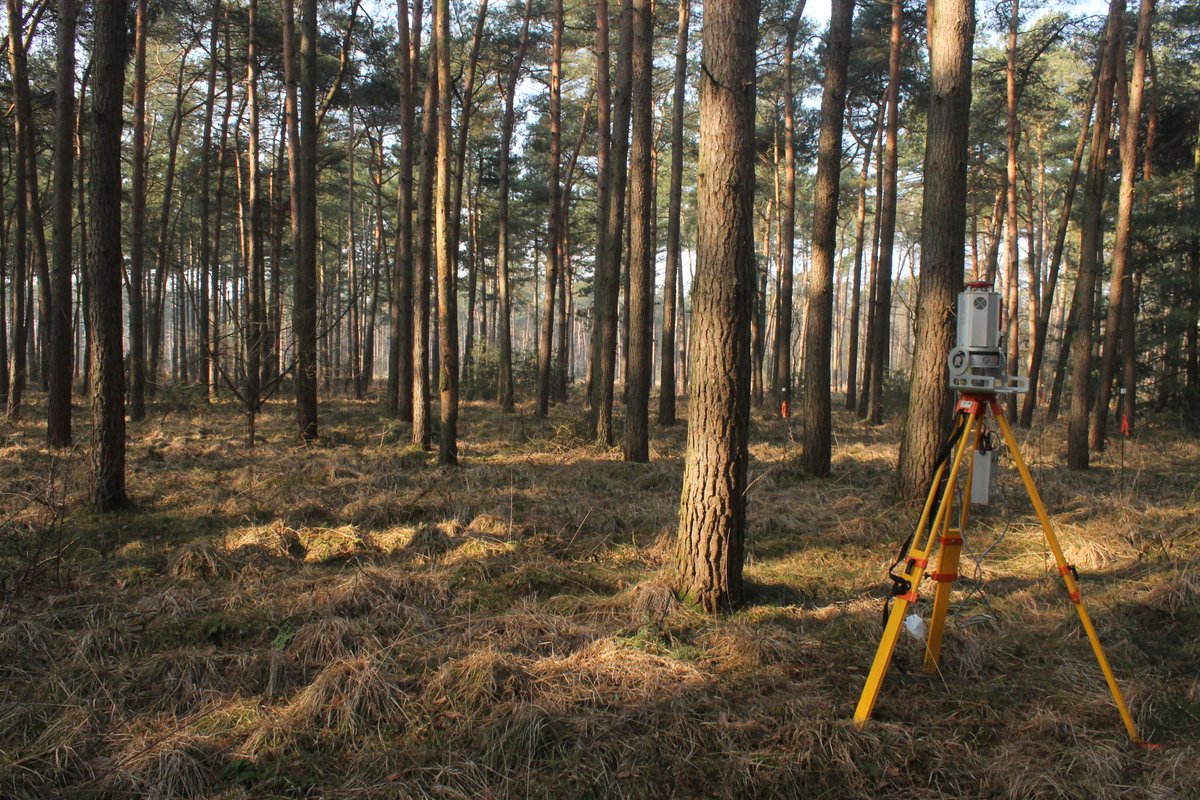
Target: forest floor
column 349, row 620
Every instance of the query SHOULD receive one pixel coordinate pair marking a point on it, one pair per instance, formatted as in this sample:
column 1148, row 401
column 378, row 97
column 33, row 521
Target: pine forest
column 527, row 398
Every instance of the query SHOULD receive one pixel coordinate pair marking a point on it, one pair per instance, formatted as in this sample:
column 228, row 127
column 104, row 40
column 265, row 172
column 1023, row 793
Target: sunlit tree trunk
column 446, row 259
column 641, row 267
column 422, row 430
column 782, row 388
column 1120, row 292
column 712, row 511
column 1090, row 246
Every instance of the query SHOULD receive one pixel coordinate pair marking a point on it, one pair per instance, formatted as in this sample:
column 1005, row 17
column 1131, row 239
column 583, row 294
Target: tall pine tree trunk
column 943, row 239
column 818, row 319
column 712, row 511
column 1090, row 246
column 641, row 254
column 104, row 253
column 666, row 380
column 58, row 417
column 1120, row 308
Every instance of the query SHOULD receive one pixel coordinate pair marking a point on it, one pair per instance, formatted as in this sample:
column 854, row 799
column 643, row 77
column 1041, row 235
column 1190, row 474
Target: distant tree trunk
column 860, row 226
column 158, row 297
column 887, row 224
column 603, row 190
column 641, row 256
column 504, row 377
column 712, row 512
column 137, row 226
column 758, row 320
column 206, row 204
column 1038, row 346
column 666, row 373
column 447, row 271
column 1192, row 319
column 400, row 324
column 608, row 267
column 304, row 313
column 553, row 252
column 1011, row 256
column 1090, row 246
column 1121, row 288
column 422, row 430
column 58, row 417
column 863, row 411
column 255, row 276
column 818, row 319
column 460, row 159
column 782, row 387
column 354, row 315
column 943, row 240
column 104, row 253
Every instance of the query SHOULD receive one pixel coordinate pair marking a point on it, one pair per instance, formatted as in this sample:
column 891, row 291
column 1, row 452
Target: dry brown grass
column 347, row 620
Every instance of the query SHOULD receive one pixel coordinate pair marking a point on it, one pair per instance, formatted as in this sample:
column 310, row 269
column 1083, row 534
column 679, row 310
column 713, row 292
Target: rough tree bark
column 943, row 237
column 104, row 253
column 712, row 513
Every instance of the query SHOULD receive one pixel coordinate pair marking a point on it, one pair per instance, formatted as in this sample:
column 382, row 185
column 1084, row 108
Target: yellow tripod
column 970, row 420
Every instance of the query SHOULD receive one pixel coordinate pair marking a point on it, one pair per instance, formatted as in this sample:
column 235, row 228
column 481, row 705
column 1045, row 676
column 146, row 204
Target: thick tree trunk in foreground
column 58, row 417
column 1089, row 249
column 1120, row 293
column 641, row 251
column 712, row 513
column 943, row 238
column 104, row 254
column 818, row 319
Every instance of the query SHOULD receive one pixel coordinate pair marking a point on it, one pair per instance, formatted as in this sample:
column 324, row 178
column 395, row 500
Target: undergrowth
column 346, row 619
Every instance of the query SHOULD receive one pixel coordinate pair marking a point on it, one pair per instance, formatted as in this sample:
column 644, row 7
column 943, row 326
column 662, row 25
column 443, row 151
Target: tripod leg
column 918, row 557
column 1067, row 572
column 946, row 571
